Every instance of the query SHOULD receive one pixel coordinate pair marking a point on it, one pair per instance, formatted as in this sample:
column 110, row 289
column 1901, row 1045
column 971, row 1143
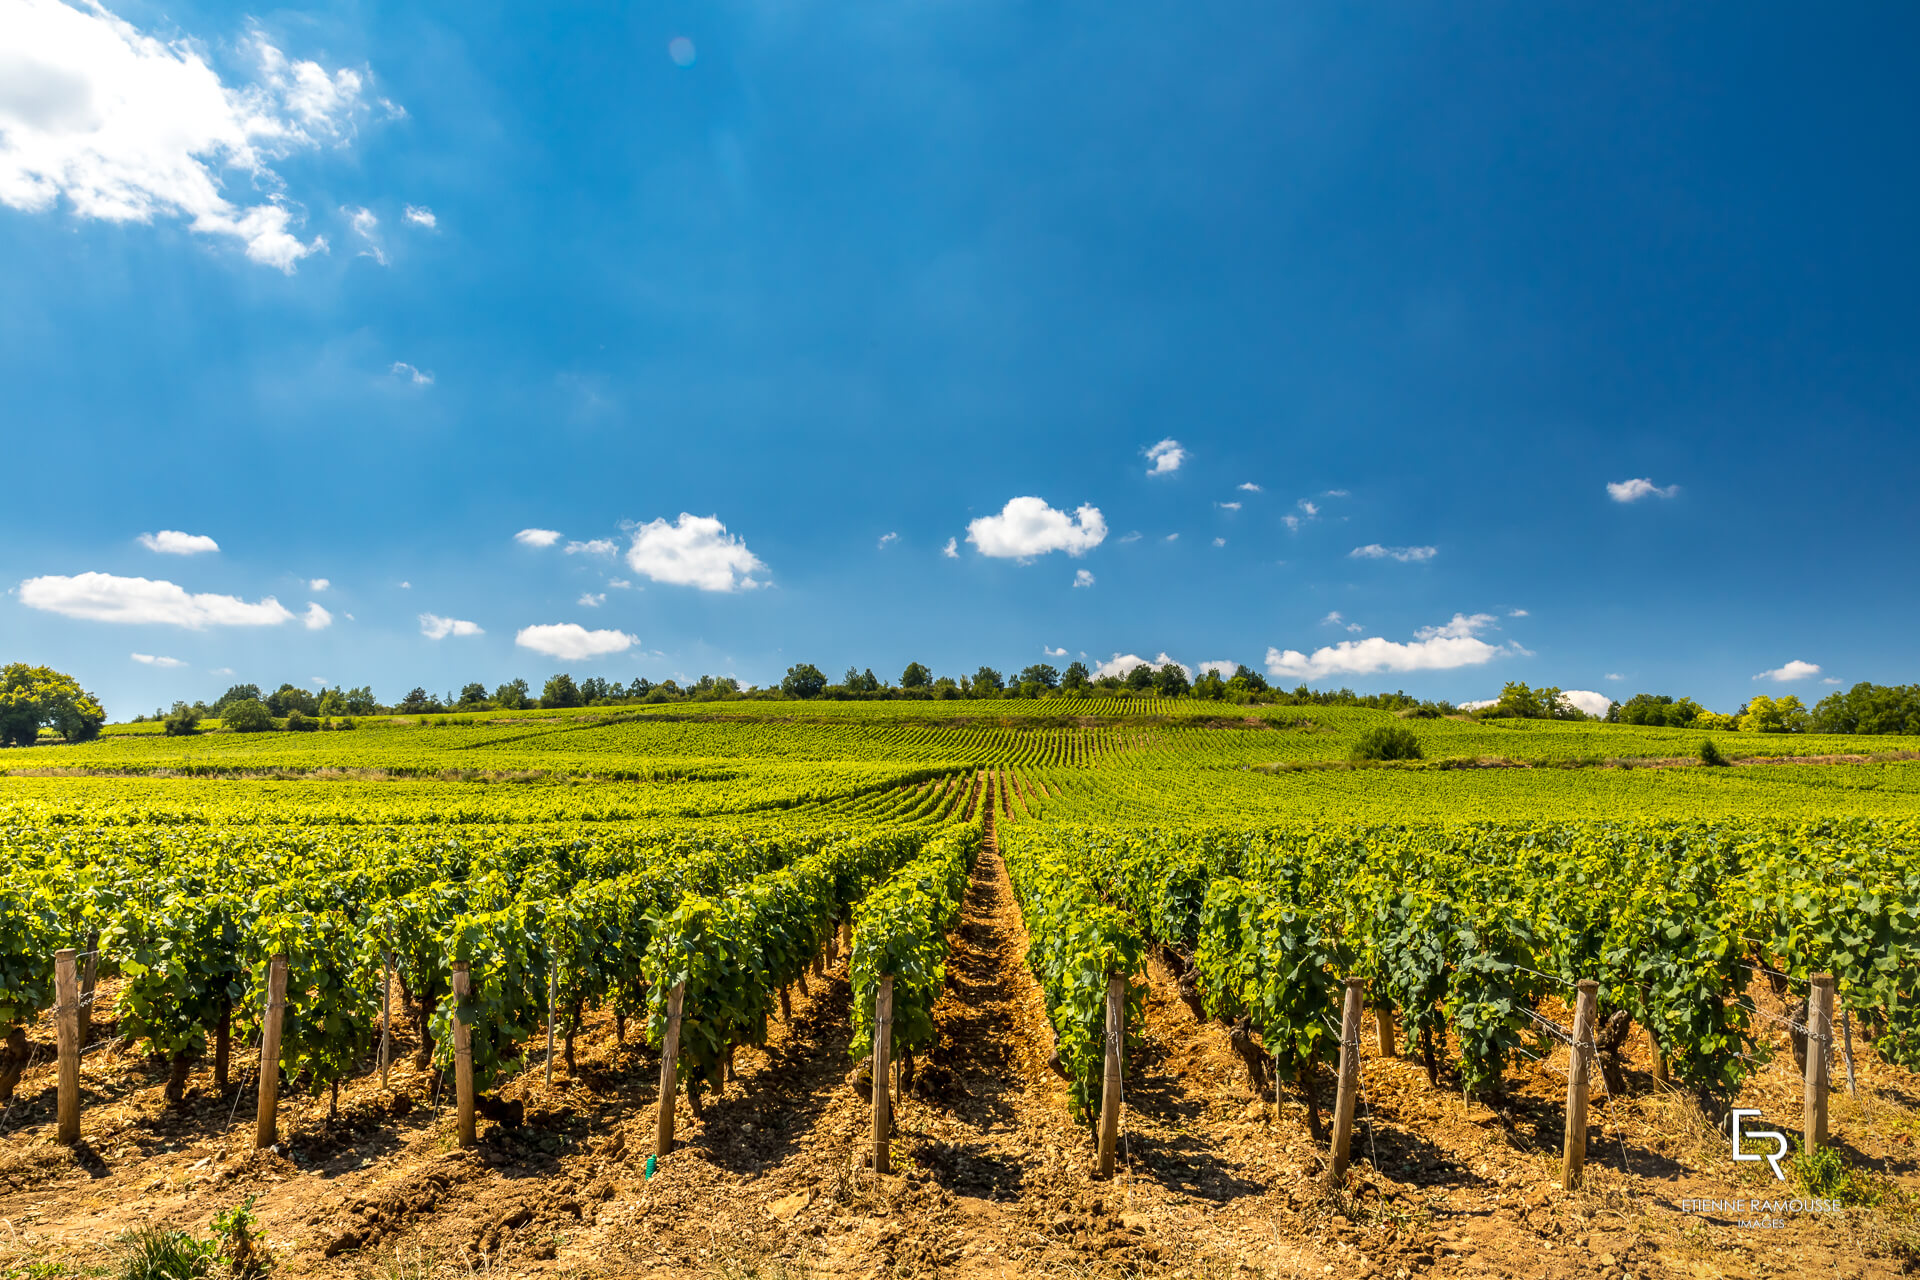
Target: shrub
column 1710, row 752
column 1388, row 742
column 1827, row 1175
column 247, row 715
column 298, row 723
column 182, row 721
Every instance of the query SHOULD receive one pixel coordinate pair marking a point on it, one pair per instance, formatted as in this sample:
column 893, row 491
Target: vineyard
column 784, row 989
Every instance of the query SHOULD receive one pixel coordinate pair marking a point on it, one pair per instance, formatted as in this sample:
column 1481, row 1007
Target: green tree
column 288, row 699
column 560, row 691
column 332, row 703
column 1076, row 677
column 1171, row 681
column 248, row 715
column 361, row 702
column 237, row 693
column 514, row 695
column 860, row 681
column 1774, row 715
column 419, row 702
column 988, row 683
column 183, row 720
column 1210, row 685
column 639, row 687
column 473, row 695
column 34, row 696
column 1247, row 678
column 803, row 680
column 594, row 689
column 1140, row 679
column 1869, row 708
column 916, row 676
column 1041, row 674
column 1658, row 709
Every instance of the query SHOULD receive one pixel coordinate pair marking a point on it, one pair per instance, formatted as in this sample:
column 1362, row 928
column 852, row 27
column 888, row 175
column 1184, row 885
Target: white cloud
column 621, row 583
column 885, row 538
column 1309, row 509
column 952, row 550
column 1795, row 670
column 1220, row 666
column 316, row 618
column 1166, row 457
column 681, row 50
column 1594, row 704
column 406, row 586
column 419, row 377
column 1122, row 663
column 1292, row 523
column 435, row 627
column 421, row 216
column 319, row 584
column 1053, row 653
column 221, row 671
column 1634, row 490
column 1227, row 506
column 1130, row 537
column 126, row 127
column 1250, row 487
column 1082, row 578
column 1432, row 649
column 1028, row 527
column 102, row 597
column 697, row 551
column 1333, row 619
column 537, row 537
column 364, row 224
column 1334, row 493
column 1219, row 542
column 1405, row 555
column 1173, row 537
column 1517, row 613
column 1614, row 675
column 572, row 641
column 593, row 547
column 592, row 599
column 152, row 660
column 172, row 542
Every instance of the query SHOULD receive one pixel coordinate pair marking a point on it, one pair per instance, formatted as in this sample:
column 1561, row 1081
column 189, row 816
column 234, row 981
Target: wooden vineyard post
column 1383, row 1030
column 1110, row 1085
column 1659, row 1058
column 386, row 1015
column 463, row 1053
column 553, row 992
column 266, row 1117
column 1819, row 1036
column 1846, row 1051
column 66, row 1004
column 882, row 1055
column 1348, row 1097
column 1574, row 1158
column 669, row 1063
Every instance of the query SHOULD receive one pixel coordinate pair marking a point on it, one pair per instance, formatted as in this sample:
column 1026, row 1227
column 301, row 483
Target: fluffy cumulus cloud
column 103, row 597
column 319, row 584
column 1052, row 652
column 572, row 642
column 1249, row 487
column 1166, row 457
column 1405, row 555
column 1442, row 648
column 1795, row 670
column 172, row 542
column 420, row 216
column 316, row 618
column 154, row 660
column 592, row 599
column 593, row 547
column 952, row 550
column 1594, row 704
column 435, row 627
column 1335, row 619
column 124, row 127
column 694, row 551
column 1121, row 663
column 1634, row 490
column 537, row 537
column 1082, row 578
column 1028, row 527
column 1220, row 667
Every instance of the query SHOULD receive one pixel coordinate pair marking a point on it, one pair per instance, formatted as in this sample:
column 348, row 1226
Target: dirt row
column 992, row 1174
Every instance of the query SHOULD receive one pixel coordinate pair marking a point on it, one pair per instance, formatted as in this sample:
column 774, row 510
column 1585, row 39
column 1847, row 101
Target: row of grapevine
column 901, row 930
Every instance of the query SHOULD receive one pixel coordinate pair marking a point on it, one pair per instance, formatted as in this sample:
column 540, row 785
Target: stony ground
column 991, row 1176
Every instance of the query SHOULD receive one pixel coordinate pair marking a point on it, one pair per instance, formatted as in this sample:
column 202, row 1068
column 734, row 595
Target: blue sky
column 1431, row 278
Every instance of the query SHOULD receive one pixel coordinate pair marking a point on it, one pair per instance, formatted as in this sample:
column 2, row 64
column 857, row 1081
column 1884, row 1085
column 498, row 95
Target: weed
column 153, row 1254
column 1828, row 1175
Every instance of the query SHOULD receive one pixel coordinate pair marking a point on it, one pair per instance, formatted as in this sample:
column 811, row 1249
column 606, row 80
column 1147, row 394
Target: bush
column 247, row 715
column 1710, row 752
column 1826, row 1175
column 1388, row 742
column 182, row 721
column 298, row 723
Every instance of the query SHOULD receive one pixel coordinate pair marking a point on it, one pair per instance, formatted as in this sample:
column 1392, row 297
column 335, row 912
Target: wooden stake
column 553, row 992
column 1383, row 1030
column 265, row 1118
column 1574, row 1158
column 882, row 1048
column 669, row 1063
column 1846, row 1051
column 463, row 1054
column 1348, row 1096
column 1110, row 1086
column 1819, row 1036
column 1659, row 1058
column 66, row 1003
column 386, row 1015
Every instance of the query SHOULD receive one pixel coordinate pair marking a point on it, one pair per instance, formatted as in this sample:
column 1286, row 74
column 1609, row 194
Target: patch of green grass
column 1828, row 1175
column 153, row 1254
